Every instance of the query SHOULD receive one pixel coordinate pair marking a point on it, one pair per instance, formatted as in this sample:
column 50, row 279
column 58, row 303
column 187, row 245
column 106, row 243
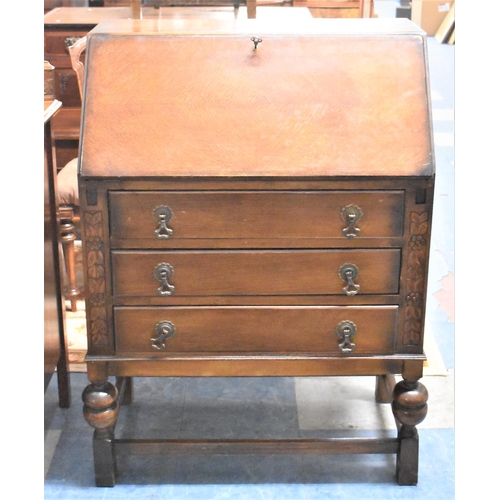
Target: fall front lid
column 331, row 97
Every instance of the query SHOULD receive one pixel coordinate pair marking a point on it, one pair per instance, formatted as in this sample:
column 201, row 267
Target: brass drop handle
column 345, row 331
column 349, row 272
column 163, row 273
column 351, row 214
column 162, row 214
column 164, row 330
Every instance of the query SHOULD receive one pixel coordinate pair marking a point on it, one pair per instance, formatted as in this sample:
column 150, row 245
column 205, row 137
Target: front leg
column 100, row 410
column 409, row 406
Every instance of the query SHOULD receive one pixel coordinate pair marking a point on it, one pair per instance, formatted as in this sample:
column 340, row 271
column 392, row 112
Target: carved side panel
column 416, row 278
column 96, row 280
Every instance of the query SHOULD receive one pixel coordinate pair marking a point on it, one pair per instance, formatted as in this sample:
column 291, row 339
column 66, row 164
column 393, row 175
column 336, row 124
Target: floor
column 284, row 407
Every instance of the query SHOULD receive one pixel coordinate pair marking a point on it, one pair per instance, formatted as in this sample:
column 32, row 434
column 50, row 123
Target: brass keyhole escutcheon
column 256, row 42
column 351, row 215
column 162, row 214
column 348, row 273
column 163, row 273
column 345, row 331
column 164, row 330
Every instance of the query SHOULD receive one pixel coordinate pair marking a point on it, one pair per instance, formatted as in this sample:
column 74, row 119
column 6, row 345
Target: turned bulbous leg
column 409, row 406
column 409, row 403
column 100, row 410
column 100, row 407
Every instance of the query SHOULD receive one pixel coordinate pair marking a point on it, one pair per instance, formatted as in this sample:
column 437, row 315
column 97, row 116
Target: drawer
column 241, row 272
column 66, row 88
column 55, row 42
column 249, row 330
column 254, row 215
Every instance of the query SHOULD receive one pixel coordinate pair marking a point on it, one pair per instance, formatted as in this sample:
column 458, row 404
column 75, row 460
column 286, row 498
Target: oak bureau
column 256, row 201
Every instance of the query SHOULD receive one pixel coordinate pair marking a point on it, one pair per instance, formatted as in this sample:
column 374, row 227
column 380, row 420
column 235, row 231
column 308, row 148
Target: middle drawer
column 241, row 272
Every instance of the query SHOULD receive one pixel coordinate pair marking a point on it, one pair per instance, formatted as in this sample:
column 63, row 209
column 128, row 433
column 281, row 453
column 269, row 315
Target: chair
column 68, row 199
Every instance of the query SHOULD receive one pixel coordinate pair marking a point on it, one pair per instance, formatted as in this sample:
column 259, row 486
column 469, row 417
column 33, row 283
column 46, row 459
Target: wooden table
column 338, row 8
column 55, row 349
column 261, row 207
column 63, row 26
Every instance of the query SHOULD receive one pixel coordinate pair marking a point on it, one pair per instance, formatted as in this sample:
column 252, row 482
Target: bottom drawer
column 341, row 331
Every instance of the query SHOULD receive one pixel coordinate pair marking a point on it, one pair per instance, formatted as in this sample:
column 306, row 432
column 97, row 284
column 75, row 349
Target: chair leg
column 68, row 238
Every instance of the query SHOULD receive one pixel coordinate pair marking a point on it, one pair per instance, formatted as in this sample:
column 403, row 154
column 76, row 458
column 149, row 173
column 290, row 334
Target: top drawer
column 56, row 43
column 173, row 215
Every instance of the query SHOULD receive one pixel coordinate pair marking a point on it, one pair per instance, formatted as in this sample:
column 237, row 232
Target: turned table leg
column 100, row 410
column 384, row 387
column 409, row 406
column 68, row 238
column 125, row 389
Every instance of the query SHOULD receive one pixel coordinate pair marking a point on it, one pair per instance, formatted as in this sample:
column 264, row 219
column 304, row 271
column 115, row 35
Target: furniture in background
column 261, row 207
column 251, row 5
column 63, row 27
column 338, row 8
column 48, row 5
column 319, row 8
column 55, row 347
column 195, row 3
column 68, row 196
column 69, row 217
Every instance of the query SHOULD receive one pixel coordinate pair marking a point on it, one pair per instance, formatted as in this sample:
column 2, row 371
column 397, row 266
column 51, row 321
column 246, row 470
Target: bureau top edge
column 281, row 181
column 311, row 27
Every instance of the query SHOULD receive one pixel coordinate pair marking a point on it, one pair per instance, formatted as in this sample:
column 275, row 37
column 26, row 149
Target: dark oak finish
column 245, row 330
column 255, row 215
column 222, row 203
column 237, row 273
column 331, row 446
